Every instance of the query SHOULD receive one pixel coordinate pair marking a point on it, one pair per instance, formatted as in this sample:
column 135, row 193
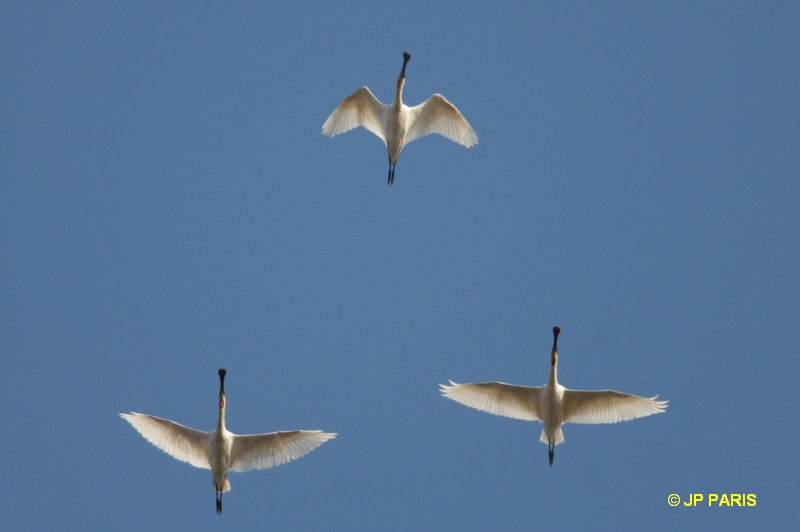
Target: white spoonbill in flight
column 398, row 124
column 222, row 451
column 552, row 404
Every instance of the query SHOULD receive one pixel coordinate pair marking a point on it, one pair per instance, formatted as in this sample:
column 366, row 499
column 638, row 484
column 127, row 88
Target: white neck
column 398, row 98
column 221, row 419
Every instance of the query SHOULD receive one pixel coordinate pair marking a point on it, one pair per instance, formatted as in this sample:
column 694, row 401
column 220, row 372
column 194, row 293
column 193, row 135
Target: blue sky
column 168, row 207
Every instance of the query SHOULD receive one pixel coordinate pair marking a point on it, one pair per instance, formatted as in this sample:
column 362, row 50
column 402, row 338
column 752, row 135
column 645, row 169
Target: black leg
column 551, row 452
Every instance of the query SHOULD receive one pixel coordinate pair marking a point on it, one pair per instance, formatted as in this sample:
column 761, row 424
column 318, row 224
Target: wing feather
column 260, row 451
column 607, row 406
column 499, row 398
column 180, row 442
column 361, row 108
column 437, row 115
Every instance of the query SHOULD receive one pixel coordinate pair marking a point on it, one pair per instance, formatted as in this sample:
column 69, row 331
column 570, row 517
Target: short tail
column 225, row 488
column 559, row 437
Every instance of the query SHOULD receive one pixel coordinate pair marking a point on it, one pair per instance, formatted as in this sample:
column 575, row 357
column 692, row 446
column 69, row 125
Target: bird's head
column 402, row 79
column 222, row 372
column 554, row 354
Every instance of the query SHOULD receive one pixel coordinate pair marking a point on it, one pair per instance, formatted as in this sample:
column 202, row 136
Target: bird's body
column 552, row 404
column 398, row 124
column 222, row 451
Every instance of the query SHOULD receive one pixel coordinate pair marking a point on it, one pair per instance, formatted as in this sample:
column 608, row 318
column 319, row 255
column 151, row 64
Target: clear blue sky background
column 168, row 206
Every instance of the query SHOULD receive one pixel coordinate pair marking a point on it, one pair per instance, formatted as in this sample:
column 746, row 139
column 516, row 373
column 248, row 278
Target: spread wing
column 361, row 108
column 180, row 442
column 607, row 406
column 499, row 398
column 260, row 451
column 437, row 115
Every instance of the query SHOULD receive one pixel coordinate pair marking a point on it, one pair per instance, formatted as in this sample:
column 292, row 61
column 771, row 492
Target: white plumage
column 552, row 404
column 221, row 450
column 398, row 124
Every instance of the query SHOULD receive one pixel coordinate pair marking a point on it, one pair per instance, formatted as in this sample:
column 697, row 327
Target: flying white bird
column 222, row 451
column 398, row 124
column 552, row 404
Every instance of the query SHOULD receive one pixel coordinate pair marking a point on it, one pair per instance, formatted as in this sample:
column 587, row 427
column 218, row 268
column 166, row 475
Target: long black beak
column 556, row 330
column 406, row 57
column 222, row 372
